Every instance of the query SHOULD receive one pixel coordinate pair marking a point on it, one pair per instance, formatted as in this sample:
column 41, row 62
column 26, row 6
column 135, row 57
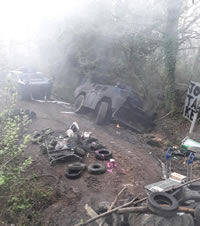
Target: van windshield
column 32, row 76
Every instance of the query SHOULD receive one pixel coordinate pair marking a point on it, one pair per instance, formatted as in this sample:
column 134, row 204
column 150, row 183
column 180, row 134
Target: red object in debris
column 111, row 164
column 123, row 171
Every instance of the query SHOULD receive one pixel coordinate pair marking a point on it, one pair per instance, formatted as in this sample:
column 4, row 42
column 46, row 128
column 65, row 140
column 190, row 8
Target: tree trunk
column 171, row 49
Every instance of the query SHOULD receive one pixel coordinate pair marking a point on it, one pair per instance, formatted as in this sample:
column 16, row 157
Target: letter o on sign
column 197, row 91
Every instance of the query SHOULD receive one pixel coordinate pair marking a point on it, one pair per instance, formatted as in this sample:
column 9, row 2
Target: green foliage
column 21, row 199
column 26, row 203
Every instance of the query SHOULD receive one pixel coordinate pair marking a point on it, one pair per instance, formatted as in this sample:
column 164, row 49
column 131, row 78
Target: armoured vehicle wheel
column 78, row 104
column 102, row 112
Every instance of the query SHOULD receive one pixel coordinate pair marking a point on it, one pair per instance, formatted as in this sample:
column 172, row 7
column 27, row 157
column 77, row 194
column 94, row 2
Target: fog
column 102, row 40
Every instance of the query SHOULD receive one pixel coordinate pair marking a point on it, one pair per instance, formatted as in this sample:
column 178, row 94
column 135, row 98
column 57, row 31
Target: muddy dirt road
column 135, row 165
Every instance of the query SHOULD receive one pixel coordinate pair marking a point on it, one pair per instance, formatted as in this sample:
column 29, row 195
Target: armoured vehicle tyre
column 103, row 154
column 78, row 104
column 102, row 112
column 96, row 168
column 155, row 201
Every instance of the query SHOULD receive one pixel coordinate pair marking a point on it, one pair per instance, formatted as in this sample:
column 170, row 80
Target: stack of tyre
column 164, row 210
column 76, row 170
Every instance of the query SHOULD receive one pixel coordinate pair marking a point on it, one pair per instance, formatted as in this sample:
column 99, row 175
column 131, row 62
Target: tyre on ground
column 103, row 154
column 162, row 204
column 96, row 168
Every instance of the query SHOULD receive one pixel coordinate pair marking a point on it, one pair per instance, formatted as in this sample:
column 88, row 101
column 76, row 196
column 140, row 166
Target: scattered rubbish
column 70, row 132
column 191, row 144
column 52, row 102
column 74, row 127
column 190, row 161
column 168, row 183
column 65, row 145
column 72, row 144
column 111, row 164
column 67, row 112
column 87, row 134
column 169, row 206
column 169, row 154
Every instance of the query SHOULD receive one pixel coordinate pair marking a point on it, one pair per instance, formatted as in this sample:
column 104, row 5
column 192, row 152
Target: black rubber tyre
column 103, row 154
column 197, row 213
column 96, row 168
column 80, row 152
column 155, row 201
column 73, row 173
column 194, row 187
column 102, row 113
column 77, row 166
column 78, row 104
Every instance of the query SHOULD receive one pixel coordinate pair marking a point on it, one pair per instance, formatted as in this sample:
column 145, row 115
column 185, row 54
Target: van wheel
column 102, row 113
column 78, row 104
column 48, row 95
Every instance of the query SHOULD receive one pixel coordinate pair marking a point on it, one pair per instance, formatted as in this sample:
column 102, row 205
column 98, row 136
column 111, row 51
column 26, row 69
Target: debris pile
column 178, row 206
column 72, row 144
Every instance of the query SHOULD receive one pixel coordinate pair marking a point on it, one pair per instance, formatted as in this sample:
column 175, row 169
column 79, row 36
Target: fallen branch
column 144, row 209
column 183, row 185
column 164, row 116
column 108, row 212
column 113, row 203
column 116, row 198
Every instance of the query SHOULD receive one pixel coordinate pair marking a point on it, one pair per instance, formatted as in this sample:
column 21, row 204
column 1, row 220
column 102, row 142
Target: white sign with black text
column 192, row 100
